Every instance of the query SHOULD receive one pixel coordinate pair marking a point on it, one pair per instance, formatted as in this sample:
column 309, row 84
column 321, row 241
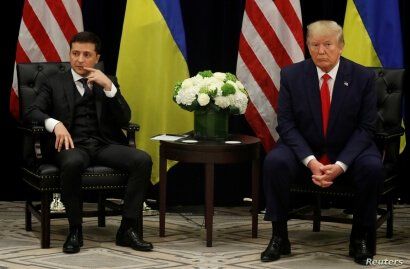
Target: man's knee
column 73, row 164
column 275, row 160
column 141, row 160
column 371, row 165
column 371, row 171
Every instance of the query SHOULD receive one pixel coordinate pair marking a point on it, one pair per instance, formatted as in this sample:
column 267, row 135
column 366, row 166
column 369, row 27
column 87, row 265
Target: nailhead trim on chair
column 87, row 175
column 322, row 192
column 94, row 187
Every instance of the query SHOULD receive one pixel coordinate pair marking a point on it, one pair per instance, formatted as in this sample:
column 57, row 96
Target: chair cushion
column 46, row 178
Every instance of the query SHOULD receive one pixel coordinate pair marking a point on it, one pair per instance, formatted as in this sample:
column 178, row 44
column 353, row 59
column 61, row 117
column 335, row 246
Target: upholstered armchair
column 42, row 175
column 389, row 86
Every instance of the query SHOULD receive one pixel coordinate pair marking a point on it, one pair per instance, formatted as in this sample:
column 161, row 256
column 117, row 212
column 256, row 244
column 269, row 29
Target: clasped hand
column 63, row 137
column 324, row 175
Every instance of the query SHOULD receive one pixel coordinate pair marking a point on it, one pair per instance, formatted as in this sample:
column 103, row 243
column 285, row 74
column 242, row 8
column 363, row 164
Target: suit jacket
column 352, row 116
column 56, row 100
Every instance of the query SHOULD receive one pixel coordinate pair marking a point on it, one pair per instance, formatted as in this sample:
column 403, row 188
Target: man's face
column 325, row 51
column 83, row 55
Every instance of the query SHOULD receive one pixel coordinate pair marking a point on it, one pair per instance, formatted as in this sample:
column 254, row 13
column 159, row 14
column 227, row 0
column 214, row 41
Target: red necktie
column 325, row 98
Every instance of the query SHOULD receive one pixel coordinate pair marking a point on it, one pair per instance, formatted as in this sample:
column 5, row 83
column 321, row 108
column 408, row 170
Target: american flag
column 45, row 31
column 271, row 38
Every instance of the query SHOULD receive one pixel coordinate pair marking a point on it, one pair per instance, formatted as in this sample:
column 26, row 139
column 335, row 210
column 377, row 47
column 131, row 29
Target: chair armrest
column 389, row 144
column 33, row 136
column 390, row 134
column 130, row 130
column 131, row 127
column 33, row 130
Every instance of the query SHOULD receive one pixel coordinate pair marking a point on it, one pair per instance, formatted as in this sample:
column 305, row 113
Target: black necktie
column 87, row 89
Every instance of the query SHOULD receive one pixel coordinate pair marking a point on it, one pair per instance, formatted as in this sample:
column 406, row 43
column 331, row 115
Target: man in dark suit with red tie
column 326, row 118
column 85, row 110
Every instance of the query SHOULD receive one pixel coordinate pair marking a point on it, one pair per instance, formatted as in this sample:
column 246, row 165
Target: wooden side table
column 210, row 153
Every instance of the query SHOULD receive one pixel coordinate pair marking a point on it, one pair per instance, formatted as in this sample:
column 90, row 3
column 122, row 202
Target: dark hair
column 87, row 37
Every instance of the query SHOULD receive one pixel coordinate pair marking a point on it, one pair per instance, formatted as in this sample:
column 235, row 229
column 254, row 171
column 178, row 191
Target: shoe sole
column 71, row 251
column 74, row 250
column 138, row 249
column 283, row 252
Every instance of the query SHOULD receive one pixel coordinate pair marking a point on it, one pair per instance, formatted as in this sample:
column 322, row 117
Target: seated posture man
column 85, row 110
column 326, row 118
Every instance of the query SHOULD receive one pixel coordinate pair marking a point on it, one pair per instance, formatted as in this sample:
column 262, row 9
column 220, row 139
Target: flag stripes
column 271, row 38
column 45, row 30
column 258, row 69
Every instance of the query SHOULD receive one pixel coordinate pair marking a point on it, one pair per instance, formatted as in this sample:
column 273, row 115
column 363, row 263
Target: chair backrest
column 389, row 84
column 31, row 76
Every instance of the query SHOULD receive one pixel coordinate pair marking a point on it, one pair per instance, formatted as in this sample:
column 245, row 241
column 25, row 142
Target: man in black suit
column 326, row 118
column 85, row 110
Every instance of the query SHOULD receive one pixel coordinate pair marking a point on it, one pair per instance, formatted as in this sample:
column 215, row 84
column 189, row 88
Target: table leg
column 162, row 194
column 209, row 202
column 255, row 197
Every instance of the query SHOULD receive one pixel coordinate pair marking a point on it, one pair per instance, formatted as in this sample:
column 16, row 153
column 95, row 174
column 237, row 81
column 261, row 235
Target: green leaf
column 177, row 87
column 206, row 73
column 227, row 89
column 230, row 76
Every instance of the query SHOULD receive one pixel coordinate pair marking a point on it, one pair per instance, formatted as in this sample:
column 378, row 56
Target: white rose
column 187, row 83
column 186, row 96
column 197, row 79
column 203, row 99
column 213, row 80
column 222, row 101
column 220, row 76
column 206, row 82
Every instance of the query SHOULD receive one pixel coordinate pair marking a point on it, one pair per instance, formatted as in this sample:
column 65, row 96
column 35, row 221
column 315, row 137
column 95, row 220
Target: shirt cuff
column 306, row 160
column 111, row 93
column 342, row 165
column 50, row 123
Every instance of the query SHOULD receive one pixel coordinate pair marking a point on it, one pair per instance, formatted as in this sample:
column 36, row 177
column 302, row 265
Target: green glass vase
column 211, row 124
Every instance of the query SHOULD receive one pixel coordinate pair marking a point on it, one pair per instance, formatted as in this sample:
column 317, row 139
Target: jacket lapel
column 313, row 94
column 99, row 96
column 340, row 89
column 68, row 88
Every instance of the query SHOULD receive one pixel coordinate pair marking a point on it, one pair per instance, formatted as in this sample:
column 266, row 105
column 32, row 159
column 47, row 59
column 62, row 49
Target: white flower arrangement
column 207, row 90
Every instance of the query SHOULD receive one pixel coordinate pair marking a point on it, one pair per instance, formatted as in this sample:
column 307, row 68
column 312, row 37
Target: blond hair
column 325, row 27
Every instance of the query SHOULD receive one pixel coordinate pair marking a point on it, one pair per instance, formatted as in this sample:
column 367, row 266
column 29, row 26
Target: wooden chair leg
column 317, row 214
column 389, row 226
column 28, row 216
column 101, row 209
column 45, row 220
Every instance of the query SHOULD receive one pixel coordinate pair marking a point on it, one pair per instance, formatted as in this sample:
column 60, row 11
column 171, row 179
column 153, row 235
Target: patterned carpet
column 184, row 244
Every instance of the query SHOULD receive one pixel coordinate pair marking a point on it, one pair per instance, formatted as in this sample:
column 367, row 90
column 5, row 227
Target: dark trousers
column 281, row 168
column 73, row 162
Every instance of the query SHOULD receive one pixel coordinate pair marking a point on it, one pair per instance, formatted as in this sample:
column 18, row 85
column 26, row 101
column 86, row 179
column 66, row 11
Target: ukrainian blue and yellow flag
column 373, row 35
column 151, row 60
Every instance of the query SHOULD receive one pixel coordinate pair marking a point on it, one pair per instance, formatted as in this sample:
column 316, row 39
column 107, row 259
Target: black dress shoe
column 130, row 238
column 74, row 240
column 361, row 252
column 277, row 246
